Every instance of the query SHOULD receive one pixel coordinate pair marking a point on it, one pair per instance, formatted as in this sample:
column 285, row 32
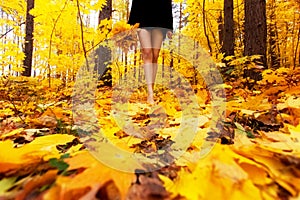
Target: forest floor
column 254, row 155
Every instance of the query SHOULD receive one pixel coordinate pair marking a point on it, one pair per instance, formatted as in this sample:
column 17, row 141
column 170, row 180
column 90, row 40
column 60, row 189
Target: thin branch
column 204, row 27
column 51, row 35
column 4, row 34
column 213, row 34
column 82, row 36
column 296, row 49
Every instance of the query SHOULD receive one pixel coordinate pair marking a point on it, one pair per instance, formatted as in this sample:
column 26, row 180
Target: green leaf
column 66, row 155
column 249, row 134
column 59, row 164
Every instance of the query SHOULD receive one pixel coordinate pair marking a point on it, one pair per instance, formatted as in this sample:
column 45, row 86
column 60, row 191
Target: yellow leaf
column 12, row 133
column 38, row 150
column 272, row 162
column 216, row 176
column 92, row 174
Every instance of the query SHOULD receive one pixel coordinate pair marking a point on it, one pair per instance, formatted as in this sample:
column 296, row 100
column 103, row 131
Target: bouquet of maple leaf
column 125, row 35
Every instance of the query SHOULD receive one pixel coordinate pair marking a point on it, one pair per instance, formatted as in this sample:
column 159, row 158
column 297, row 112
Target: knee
column 147, row 54
column 155, row 57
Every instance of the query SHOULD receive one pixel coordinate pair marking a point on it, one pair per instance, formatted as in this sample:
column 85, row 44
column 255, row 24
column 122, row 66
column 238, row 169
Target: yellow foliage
column 265, row 167
column 275, row 76
column 121, row 26
column 216, row 176
column 39, row 150
column 95, row 174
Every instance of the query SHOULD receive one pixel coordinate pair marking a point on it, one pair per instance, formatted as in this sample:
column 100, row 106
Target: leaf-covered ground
column 256, row 156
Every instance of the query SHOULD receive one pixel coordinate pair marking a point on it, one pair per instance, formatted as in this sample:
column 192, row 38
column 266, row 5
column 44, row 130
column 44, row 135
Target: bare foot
column 150, row 99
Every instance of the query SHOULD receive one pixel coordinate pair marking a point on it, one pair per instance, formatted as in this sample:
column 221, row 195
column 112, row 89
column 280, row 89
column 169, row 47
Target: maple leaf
column 92, row 175
column 32, row 154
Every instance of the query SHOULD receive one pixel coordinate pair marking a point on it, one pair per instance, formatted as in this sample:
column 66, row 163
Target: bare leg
column 147, row 55
column 156, row 40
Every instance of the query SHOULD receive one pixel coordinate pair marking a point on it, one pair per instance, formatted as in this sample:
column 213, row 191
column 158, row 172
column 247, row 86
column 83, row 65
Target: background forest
column 254, row 45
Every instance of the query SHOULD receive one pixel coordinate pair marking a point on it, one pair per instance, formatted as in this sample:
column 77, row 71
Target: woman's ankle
column 150, row 99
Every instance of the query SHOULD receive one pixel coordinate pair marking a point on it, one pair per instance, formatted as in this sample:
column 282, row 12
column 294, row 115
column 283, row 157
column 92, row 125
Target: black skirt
column 152, row 13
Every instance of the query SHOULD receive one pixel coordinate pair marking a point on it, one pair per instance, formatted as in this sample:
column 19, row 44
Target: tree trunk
column 28, row 40
column 255, row 29
column 106, row 12
column 104, row 53
column 205, row 28
column 228, row 41
column 220, row 29
column 272, row 38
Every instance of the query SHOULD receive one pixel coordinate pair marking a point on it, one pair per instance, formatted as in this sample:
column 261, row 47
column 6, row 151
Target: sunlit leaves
column 11, row 56
column 16, row 8
column 195, row 26
column 91, row 174
column 261, row 164
column 40, row 149
column 57, row 38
